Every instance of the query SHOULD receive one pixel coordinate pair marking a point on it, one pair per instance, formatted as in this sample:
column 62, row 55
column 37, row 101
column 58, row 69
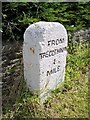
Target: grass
column 69, row 100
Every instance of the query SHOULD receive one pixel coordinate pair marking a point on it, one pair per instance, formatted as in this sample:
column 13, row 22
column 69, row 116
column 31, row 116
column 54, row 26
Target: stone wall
column 81, row 35
column 11, row 70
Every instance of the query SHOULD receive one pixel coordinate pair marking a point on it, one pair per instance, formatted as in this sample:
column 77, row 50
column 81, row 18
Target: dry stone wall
column 81, row 35
column 11, row 71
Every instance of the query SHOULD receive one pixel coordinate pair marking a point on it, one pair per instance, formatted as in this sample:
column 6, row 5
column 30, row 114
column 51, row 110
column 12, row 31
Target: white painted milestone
column 44, row 56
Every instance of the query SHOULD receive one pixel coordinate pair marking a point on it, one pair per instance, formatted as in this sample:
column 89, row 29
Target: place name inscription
column 55, row 51
column 52, row 53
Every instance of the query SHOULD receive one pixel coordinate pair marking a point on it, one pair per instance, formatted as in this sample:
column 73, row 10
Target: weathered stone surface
column 44, row 55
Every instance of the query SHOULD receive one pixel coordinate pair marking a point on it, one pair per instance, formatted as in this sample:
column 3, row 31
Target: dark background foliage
column 18, row 16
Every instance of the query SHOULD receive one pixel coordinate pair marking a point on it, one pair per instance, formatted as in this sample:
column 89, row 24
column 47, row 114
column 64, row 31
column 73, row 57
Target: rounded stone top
column 45, row 30
column 42, row 25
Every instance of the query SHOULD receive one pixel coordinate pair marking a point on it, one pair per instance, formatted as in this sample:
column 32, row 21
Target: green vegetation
column 18, row 15
column 70, row 99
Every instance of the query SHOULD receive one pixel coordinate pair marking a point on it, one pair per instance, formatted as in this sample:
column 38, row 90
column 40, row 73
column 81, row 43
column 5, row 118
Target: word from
column 51, row 52
column 55, row 42
column 54, row 70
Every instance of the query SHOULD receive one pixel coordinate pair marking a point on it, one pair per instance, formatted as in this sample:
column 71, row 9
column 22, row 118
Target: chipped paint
column 32, row 49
